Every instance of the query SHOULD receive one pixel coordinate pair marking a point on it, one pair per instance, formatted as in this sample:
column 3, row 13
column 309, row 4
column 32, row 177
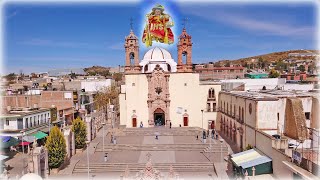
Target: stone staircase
column 136, row 167
column 215, row 149
column 164, row 131
column 156, row 147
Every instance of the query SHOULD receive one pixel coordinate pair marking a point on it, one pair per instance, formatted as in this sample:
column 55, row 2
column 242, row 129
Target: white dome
column 31, row 176
column 157, row 54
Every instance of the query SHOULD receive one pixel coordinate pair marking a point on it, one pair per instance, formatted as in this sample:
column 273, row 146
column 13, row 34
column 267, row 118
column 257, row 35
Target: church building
column 159, row 90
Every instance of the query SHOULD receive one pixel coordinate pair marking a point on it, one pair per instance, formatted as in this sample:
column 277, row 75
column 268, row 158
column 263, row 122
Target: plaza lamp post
column 103, row 136
column 22, row 134
column 202, row 127
column 221, row 141
column 87, row 142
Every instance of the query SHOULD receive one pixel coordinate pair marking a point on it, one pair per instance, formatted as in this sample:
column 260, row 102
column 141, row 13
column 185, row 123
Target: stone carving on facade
column 158, row 93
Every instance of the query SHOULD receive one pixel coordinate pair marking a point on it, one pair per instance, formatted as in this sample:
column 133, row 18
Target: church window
column 133, row 84
column 133, row 111
column 208, row 107
column 185, row 84
column 184, row 56
column 169, row 67
column 132, row 58
column 214, row 107
column 145, row 68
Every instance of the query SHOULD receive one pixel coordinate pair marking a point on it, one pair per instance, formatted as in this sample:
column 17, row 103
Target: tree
column 56, row 145
column 280, row 66
column 274, row 74
column 80, row 132
column 117, row 77
column 302, row 68
column 10, row 77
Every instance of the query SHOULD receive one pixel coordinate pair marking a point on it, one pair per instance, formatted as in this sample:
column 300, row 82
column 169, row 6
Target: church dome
column 157, row 54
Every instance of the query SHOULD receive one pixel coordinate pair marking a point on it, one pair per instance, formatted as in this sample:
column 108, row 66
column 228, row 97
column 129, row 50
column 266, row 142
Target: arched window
column 184, row 57
column 209, row 93
column 242, row 114
column 131, row 55
column 146, row 68
column 169, row 67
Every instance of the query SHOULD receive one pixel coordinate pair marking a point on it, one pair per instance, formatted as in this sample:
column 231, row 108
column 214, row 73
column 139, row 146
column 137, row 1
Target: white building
column 158, row 91
column 27, row 119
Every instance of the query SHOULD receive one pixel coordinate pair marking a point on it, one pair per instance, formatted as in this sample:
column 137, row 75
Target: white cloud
column 47, row 42
column 248, row 22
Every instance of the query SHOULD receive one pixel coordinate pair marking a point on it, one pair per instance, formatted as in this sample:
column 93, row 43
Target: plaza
column 176, row 147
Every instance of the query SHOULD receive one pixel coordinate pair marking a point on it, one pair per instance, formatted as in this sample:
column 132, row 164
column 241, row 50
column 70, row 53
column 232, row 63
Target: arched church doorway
column 159, row 117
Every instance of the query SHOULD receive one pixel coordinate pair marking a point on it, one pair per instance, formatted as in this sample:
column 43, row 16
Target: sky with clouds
column 40, row 37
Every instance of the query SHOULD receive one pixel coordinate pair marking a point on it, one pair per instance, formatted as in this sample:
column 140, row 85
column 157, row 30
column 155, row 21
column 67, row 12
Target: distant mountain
column 275, row 56
column 62, row 72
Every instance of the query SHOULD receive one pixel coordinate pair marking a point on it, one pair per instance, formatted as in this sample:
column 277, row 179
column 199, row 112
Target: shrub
column 80, row 132
column 56, row 145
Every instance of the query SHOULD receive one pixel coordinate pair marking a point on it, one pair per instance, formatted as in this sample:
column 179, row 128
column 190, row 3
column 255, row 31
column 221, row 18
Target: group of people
column 214, row 135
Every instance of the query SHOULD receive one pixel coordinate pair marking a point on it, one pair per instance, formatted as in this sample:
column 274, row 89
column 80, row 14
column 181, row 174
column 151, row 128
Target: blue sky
column 40, row 37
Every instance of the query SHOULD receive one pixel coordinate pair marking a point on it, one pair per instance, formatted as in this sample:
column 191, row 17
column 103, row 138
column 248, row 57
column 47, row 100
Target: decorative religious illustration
column 157, row 27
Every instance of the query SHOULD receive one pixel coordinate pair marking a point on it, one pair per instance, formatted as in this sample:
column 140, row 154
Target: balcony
column 211, row 109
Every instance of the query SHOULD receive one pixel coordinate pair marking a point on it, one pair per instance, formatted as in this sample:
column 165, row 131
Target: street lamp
column 103, row 136
column 202, row 127
column 22, row 133
column 221, row 141
column 87, row 142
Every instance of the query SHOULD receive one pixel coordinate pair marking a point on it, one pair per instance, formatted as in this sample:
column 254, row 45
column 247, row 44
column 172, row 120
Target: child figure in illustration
column 158, row 27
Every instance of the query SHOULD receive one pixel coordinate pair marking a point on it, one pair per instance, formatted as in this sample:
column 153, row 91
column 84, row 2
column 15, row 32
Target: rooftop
column 20, row 112
column 270, row 95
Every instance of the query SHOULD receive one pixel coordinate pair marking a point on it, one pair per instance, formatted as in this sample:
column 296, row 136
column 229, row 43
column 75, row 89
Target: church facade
column 158, row 91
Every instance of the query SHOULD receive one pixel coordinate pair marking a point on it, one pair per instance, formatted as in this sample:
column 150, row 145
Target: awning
column 29, row 138
column 5, row 138
column 249, row 158
column 24, row 143
column 12, row 142
column 40, row 135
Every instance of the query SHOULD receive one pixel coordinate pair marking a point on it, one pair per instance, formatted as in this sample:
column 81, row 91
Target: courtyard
column 176, row 150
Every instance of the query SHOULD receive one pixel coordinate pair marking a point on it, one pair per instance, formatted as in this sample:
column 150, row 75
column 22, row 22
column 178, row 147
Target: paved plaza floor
column 134, row 150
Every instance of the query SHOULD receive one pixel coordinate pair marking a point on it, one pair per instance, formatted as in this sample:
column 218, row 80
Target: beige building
column 158, row 91
column 274, row 121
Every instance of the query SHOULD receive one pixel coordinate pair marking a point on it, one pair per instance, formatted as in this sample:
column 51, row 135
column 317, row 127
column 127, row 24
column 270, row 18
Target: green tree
column 273, row 74
column 302, row 68
column 10, row 77
column 56, row 145
column 280, row 66
column 80, row 132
